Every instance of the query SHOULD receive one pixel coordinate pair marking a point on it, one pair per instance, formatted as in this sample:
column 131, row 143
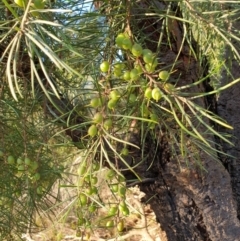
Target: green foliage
column 96, row 79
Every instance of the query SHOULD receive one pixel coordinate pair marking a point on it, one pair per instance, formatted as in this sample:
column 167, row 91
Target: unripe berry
column 137, row 50
column 148, row 58
column 98, row 118
column 134, row 75
column 156, row 94
column 164, row 75
column 107, row 124
column 92, row 131
column 114, row 95
column 104, row 66
column 95, row 102
column 126, row 75
column 119, row 39
column 148, row 93
column 126, row 43
column 112, row 104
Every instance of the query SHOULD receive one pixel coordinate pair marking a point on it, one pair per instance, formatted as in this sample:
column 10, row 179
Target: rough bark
column 228, row 108
column 191, row 204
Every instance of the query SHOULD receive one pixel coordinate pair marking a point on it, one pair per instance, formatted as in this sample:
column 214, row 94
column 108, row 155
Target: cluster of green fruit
column 144, row 61
column 118, row 209
column 145, row 84
column 99, row 118
column 25, row 167
column 132, row 83
column 88, row 194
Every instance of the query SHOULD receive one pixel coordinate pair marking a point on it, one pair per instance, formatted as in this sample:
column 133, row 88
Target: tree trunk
column 191, row 204
column 228, row 108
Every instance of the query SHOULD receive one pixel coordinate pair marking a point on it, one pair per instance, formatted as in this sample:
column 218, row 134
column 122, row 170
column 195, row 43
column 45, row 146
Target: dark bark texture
column 191, row 204
column 228, row 108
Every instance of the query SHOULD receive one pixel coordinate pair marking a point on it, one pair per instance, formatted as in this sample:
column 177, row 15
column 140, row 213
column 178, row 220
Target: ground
column 138, row 227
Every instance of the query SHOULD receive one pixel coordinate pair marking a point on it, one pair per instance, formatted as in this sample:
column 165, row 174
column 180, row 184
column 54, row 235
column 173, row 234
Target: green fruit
column 126, row 43
column 121, row 178
column 117, row 72
column 148, row 58
column 89, row 191
column 95, row 102
column 1, row 153
column 104, row 66
column 164, row 75
column 110, row 224
column 126, row 75
column 112, row 104
column 149, row 68
column 34, row 165
column 92, row 130
column 39, row 4
column 114, row 187
column 120, row 66
column 148, row 93
column 11, row 160
column 122, row 191
column 156, row 94
column 146, row 51
column 132, row 98
column 82, row 170
column 81, row 221
column 119, row 39
column 21, row 168
column 122, row 205
column 134, row 74
column 113, row 210
column 35, row 13
column 154, row 63
column 92, row 208
column 125, row 151
column 94, row 180
column 107, row 124
column 94, row 190
column 120, row 226
column 98, row 118
column 125, row 211
column 139, row 69
column 110, row 174
column 36, row 176
column 96, row 166
column 87, row 178
column 20, row 3
column 83, row 199
column 137, row 50
column 39, row 190
column 169, row 87
column 114, row 95
column 19, row 161
column 27, row 161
